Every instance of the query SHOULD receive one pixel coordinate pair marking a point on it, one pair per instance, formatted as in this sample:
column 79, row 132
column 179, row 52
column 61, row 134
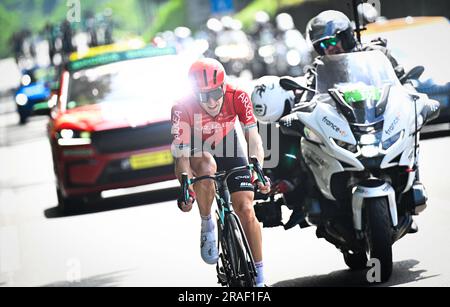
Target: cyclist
column 205, row 141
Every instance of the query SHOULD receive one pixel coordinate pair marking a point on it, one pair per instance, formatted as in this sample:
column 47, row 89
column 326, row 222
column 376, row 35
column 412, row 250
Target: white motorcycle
column 359, row 150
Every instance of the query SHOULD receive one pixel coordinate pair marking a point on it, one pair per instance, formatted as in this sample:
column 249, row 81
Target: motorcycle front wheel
column 379, row 234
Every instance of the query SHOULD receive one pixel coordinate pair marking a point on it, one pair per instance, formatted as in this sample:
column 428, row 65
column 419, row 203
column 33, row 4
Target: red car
column 111, row 126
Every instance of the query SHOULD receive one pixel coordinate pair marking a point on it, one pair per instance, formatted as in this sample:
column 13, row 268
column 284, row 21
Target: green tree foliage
column 247, row 15
column 169, row 16
column 34, row 14
column 8, row 24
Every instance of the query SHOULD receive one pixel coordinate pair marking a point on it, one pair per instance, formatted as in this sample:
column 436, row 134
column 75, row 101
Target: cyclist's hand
column 264, row 189
column 187, row 207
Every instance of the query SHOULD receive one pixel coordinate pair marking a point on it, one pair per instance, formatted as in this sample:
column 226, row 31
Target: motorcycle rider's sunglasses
column 214, row 94
column 333, row 41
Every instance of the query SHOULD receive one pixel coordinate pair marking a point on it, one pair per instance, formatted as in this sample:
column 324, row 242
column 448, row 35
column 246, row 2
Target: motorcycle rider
column 203, row 130
column 331, row 33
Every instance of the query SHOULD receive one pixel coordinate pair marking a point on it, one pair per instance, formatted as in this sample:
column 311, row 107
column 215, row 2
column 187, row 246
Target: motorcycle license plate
column 151, row 160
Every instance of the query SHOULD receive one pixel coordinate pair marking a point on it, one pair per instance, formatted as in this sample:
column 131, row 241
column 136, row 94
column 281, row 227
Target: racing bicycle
column 236, row 266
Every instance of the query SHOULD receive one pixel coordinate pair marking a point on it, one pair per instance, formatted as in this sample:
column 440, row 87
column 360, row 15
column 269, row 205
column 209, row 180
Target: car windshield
column 149, row 81
column 360, row 78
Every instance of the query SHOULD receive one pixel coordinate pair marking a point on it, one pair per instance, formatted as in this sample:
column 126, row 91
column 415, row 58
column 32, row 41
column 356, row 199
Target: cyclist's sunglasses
column 333, row 41
column 214, row 94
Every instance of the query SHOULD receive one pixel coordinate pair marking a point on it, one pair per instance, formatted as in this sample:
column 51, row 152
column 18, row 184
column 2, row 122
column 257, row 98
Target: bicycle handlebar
column 221, row 176
column 259, row 172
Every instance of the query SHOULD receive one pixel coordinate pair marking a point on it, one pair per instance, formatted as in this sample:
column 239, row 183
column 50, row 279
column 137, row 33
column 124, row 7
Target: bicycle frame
column 224, row 210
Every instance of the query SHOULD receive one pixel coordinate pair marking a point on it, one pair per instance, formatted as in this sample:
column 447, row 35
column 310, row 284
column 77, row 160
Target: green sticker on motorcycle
column 362, row 94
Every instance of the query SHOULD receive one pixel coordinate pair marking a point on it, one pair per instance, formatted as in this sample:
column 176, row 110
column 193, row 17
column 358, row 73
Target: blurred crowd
column 56, row 41
column 268, row 47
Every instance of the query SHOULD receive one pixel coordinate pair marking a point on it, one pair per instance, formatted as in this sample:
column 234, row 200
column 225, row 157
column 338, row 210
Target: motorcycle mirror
column 290, row 84
column 413, row 74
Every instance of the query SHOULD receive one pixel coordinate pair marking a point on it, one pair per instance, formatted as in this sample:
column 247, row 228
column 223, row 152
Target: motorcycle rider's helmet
column 270, row 101
column 284, row 22
column 262, row 17
column 331, row 24
column 214, row 25
column 207, row 75
column 183, row 32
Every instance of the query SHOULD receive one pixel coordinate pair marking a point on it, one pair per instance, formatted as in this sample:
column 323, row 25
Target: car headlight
column 21, row 99
column 392, row 140
column 69, row 137
column 26, row 80
column 311, row 136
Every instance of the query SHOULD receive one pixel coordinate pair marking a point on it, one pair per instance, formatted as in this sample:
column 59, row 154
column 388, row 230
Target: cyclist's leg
column 243, row 206
column 204, row 165
column 242, row 196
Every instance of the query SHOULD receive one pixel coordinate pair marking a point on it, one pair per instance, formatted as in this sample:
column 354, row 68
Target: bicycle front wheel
column 240, row 259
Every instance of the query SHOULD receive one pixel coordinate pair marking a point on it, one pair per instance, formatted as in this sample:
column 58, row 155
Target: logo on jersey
column 245, row 100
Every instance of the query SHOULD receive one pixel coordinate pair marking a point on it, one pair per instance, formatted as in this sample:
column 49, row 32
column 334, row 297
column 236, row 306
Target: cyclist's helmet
column 270, row 100
column 331, row 24
column 207, row 74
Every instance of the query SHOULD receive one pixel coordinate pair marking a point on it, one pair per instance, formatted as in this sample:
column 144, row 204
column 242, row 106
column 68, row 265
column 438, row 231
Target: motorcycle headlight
column 69, row 137
column 370, row 144
column 311, row 136
column 346, row 146
column 368, row 139
column 370, row 151
column 392, row 140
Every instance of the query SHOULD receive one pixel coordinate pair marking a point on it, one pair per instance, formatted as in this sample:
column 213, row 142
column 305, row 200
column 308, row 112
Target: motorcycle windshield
column 360, row 79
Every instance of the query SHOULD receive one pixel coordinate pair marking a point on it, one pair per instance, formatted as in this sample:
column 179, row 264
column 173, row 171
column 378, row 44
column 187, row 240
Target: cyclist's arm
column 244, row 110
column 181, row 133
column 255, row 149
column 182, row 165
column 255, row 145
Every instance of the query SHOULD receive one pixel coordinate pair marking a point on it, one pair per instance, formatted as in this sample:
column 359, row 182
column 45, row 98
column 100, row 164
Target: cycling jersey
column 193, row 126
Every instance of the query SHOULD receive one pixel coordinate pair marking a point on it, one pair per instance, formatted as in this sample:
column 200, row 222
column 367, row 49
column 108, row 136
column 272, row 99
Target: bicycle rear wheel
column 241, row 264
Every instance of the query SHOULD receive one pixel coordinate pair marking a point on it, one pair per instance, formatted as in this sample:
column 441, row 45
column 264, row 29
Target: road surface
column 144, row 240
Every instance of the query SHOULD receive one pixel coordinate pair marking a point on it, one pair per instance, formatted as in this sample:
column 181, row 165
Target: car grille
column 130, row 139
column 112, row 175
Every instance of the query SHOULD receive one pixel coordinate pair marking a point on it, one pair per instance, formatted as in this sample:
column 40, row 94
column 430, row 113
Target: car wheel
column 23, row 119
column 69, row 205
